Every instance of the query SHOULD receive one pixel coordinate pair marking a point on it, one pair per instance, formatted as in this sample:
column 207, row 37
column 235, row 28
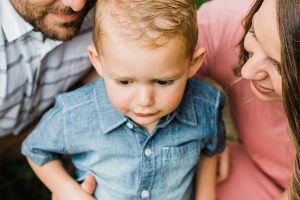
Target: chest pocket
column 188, row 149
column 178, row 168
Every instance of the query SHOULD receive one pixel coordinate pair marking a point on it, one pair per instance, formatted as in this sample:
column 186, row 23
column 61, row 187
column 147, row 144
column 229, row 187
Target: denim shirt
column 127, row 162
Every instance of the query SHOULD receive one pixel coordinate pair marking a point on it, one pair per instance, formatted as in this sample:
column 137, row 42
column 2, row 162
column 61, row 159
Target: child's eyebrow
column 175, row 76
column 122, row 77
column 117, row 75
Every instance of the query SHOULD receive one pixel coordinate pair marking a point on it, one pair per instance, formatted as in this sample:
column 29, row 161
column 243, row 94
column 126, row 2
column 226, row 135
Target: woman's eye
column 248, row 56
column 123, row 82
column 251, row 30
column 163, row 83
column 277, row 66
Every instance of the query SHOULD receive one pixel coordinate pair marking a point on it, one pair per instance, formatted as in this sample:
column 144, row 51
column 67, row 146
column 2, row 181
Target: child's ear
column 94, row 58
column 197, row 61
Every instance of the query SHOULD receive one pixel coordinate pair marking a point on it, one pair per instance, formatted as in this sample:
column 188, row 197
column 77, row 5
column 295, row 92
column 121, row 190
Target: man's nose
column 76, row 5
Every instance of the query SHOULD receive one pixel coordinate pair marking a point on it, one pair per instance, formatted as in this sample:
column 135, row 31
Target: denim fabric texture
column 126, row 161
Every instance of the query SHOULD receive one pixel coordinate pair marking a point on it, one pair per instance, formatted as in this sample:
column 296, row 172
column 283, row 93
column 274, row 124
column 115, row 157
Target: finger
column 223, row 168
column 89, row 184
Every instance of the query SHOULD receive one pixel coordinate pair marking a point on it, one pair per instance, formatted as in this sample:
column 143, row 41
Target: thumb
column 89, row 184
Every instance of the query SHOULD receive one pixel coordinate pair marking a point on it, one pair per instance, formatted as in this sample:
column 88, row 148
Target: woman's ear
column 197, row 61
column 94, row 58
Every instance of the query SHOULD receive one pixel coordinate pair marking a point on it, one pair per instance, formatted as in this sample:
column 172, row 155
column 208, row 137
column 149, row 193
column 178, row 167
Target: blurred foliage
column 18, row 182
column 199, row 2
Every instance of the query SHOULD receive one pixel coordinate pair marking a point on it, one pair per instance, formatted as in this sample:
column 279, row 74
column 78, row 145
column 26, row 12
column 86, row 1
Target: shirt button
column 145, row 194
column 148, row 152
column 129, row 125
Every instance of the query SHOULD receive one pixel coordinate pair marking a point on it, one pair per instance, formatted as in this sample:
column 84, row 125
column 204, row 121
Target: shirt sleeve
column 215, row 143
column 47, row 141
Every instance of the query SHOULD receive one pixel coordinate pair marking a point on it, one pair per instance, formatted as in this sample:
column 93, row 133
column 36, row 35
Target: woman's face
column 262, row 43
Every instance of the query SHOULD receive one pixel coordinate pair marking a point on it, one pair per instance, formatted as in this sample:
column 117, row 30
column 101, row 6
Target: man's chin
column 57, row 30
column 59, row 33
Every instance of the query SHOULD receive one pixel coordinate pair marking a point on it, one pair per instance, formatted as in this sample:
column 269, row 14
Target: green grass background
column 18, row 182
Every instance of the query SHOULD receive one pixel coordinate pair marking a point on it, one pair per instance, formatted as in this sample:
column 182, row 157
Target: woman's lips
column 261, row 89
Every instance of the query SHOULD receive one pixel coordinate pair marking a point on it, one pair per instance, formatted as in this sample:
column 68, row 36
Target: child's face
column 263, row 45
column 142, row 83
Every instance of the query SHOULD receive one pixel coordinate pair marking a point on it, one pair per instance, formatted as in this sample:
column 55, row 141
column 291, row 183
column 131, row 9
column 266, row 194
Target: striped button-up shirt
column 33, row 69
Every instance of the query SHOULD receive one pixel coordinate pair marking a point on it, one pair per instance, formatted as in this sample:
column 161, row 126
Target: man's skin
column 56, row 19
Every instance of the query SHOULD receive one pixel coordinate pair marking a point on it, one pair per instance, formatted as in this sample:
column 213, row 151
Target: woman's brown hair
column 289, row 32
column 288, row 12
column 247, row 24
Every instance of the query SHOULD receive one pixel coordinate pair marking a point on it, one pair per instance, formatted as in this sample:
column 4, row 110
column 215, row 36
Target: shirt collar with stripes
column 12, row 24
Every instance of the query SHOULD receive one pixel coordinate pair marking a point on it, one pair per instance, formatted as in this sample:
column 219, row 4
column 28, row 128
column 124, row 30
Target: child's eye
column 163, row 83
column 123, row 82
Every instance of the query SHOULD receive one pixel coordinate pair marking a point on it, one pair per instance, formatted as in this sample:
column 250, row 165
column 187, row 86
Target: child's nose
column 146, row 96
column 76, row 5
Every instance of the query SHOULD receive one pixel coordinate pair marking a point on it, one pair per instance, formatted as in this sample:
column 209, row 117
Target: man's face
column 56, row 19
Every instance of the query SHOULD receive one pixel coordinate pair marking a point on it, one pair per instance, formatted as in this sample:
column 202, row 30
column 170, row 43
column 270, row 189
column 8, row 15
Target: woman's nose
column 254, row 68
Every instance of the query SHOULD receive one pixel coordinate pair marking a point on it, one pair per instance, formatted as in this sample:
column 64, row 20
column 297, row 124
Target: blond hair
column 152, row 22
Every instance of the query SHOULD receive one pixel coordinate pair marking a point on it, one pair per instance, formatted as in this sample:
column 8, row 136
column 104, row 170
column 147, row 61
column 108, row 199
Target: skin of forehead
column 266, row 29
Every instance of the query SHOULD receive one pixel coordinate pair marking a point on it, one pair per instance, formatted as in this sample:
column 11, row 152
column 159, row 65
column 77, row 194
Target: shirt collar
column 13, row 25
column 186, row 113
column 110, row 118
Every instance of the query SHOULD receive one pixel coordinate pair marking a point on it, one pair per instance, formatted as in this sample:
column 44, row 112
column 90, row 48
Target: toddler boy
column 141, row 127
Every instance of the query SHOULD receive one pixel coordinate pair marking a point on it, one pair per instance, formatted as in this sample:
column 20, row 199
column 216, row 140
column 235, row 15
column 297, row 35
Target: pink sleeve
column 220, row 30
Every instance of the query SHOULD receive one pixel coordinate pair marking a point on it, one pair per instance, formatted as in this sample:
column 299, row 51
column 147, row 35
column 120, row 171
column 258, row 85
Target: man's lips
column 65, row 17
column 261, row 89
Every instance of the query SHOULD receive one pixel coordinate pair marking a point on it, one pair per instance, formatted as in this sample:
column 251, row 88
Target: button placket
column 148, row 152
column 129, row 125
column 145, row 194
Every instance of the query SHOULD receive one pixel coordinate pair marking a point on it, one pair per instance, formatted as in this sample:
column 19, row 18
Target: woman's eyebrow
column 257, row 39
column 253, row 28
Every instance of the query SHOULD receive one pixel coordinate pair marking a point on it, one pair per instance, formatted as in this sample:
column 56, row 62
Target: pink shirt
column 261, row 126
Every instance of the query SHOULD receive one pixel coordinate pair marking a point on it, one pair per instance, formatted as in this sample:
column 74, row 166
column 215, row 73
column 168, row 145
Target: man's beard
column 36, row 16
